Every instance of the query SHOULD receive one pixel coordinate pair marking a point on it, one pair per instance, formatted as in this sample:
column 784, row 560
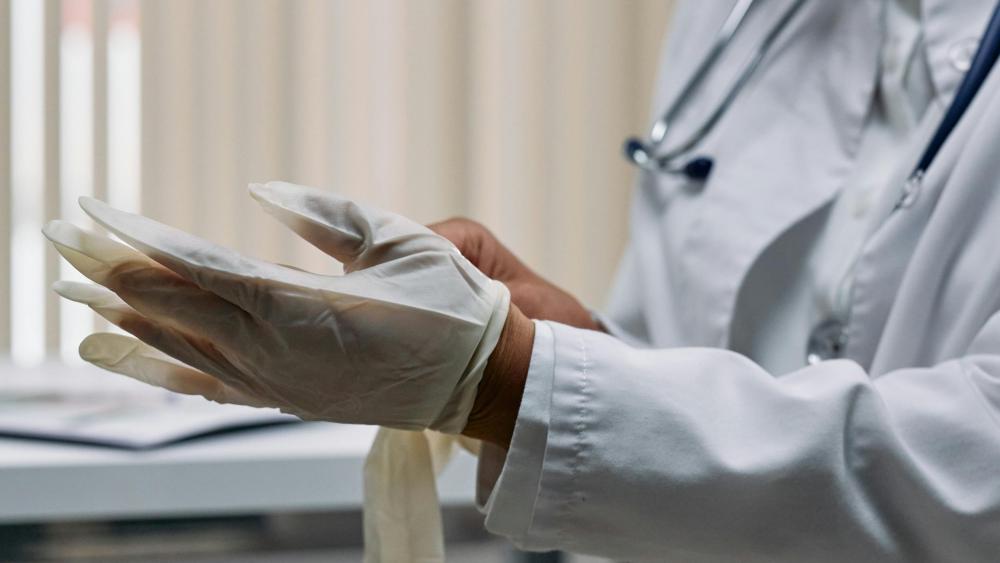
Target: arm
column 700, row 455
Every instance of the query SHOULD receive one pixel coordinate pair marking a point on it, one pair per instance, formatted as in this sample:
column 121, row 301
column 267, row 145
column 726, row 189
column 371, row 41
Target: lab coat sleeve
column 510, row 515
column 693, row 454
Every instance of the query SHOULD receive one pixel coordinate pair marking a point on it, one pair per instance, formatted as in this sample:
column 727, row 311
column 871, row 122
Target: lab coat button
column 961, row 53
column 826, row 341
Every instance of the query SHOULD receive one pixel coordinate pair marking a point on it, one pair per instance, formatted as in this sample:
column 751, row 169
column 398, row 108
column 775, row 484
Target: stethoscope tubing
column 748, row 70
column 734, row 21
column 642, row 153
column 982, row 63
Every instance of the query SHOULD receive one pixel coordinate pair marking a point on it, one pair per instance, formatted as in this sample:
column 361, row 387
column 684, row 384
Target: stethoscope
column 827, row 340
column 680, row 160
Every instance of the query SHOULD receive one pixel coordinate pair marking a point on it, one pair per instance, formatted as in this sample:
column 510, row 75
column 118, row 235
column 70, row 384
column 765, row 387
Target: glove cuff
column 455, row 413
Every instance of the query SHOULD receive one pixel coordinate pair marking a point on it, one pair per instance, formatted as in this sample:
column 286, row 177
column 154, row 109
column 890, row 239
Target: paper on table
column 123, row 420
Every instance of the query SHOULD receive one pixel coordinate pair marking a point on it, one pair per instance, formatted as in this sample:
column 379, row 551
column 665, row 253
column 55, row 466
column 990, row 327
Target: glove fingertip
column 259, row 191
column 52, row 228
column 106, row 349
column 67, row 289
column 85, row 293
column 92, row 205
column 275, row 189
column 143, row 234
column 103, row 301
column 293, row 198
column 62, row 232
column 105, row 215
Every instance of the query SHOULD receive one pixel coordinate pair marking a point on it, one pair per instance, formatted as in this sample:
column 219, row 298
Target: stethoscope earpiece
column 635, row 151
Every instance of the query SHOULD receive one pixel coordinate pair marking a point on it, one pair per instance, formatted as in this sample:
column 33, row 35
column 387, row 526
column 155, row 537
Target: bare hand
column 536, row 297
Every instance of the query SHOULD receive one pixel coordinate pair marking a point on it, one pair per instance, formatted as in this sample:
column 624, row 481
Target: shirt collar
column 952, row 30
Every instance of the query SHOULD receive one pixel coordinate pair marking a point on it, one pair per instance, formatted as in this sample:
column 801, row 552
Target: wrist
column 498, row 397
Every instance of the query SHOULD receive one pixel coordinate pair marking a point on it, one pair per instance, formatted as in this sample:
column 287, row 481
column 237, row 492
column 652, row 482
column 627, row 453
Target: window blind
column 511, row 112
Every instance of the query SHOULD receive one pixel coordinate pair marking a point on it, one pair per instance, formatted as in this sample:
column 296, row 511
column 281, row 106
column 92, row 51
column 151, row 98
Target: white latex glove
column 402, row 520
column 400, row 340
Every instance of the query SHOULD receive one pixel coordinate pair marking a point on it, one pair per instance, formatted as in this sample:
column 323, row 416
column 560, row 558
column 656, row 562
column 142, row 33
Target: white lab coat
column 659, row 443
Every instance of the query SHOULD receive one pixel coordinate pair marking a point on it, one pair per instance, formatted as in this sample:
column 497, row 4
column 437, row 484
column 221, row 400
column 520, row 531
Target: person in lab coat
column 796, row 368
column 801, row 357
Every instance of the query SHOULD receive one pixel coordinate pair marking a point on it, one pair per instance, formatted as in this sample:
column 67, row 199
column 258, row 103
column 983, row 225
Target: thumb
column 356, row 235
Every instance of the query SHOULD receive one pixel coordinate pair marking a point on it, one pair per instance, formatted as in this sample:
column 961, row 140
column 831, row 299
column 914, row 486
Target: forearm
column 700, row 451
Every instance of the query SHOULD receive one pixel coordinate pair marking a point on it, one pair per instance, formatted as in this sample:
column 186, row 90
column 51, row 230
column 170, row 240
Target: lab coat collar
column 952, row 30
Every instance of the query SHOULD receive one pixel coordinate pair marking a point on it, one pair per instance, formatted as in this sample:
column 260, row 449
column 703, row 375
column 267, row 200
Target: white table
column 298, row 467
column 301, row 467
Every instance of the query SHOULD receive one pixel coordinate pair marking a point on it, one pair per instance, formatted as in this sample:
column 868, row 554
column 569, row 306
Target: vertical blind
column 508, row 111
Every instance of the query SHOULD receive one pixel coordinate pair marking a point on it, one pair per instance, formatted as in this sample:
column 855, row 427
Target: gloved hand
column 400, row 340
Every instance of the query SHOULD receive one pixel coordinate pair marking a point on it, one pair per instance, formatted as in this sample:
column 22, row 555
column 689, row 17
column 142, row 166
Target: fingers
column 145, row 285
column 103, row 301
column 107, row 304
column 171, row 300
column 243, row 281
column 167, row 300
column 95, row 256
column 482, row 248
column 130, row 357
column 199, row 353
column 356, row 235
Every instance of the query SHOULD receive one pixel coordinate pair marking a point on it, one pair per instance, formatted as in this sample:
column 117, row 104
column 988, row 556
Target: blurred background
column 511, row 112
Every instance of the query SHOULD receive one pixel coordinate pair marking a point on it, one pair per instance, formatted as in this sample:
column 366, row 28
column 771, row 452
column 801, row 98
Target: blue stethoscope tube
column 698, row 168
column 982, row 63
